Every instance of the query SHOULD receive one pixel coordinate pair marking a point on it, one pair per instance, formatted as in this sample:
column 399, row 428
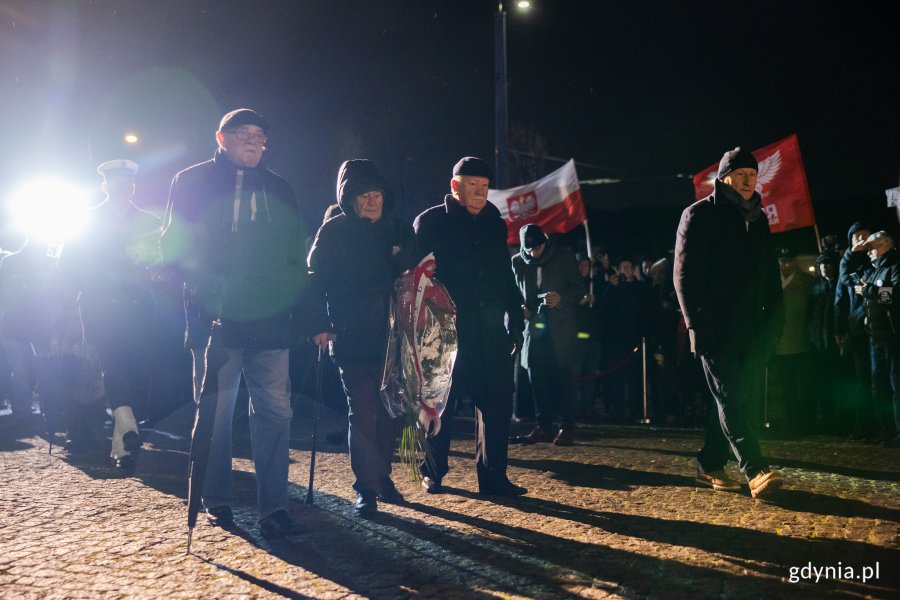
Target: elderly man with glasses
column 235, row 234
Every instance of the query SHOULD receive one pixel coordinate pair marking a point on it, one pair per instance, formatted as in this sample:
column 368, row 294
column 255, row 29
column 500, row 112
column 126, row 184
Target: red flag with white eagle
column 554, row 202
column 781, row 183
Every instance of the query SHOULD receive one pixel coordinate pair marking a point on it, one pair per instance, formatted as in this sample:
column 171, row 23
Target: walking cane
column 646, row 419
column 316, row 402
column 766, row 423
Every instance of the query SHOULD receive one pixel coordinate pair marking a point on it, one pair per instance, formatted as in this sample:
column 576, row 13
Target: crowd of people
column 549, row 333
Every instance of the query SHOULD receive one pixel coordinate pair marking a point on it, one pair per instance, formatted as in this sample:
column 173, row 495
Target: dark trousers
column 373, row 433
column 863, row 408
column 492, row 419
column 734, row 383
column 886, row 387
column 553, row 386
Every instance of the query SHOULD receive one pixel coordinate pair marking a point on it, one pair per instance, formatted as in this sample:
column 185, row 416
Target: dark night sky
column 647, row 89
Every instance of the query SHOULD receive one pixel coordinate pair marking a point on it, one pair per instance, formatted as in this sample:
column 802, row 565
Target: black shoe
column 279, row 524
column 126, row 462
column 537, row 435
column 131, row 441
column 500, row 487
column 366, row 505
column 389, row 492
column 220, row 516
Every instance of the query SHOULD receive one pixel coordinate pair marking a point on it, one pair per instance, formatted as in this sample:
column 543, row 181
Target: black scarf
column 750, row 209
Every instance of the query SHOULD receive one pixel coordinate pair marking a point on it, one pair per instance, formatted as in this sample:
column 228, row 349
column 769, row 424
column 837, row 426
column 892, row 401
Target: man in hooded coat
column 354, row 261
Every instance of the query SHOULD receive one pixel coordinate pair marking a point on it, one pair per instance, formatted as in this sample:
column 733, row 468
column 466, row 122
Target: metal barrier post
column 646, row 419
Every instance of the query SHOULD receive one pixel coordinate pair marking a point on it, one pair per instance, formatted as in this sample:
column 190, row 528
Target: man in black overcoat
column 729, row 288
column 468, row 238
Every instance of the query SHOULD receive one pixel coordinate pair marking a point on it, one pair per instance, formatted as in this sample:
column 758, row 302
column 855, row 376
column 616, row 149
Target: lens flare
column 50, row 210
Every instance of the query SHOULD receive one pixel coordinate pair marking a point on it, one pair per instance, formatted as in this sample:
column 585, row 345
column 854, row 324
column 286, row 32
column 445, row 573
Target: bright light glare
column 50, row 211
column 131, row 138
column 524, row 4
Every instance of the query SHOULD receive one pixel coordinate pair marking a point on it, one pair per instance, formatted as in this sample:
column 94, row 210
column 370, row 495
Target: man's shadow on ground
column 765, row 553
column 781, row 461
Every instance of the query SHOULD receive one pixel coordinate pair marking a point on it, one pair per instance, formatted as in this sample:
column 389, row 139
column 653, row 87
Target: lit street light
column 131, row 138
column 501, row 108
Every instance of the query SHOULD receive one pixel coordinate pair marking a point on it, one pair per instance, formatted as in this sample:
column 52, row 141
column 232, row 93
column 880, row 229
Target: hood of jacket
column 549, row 248
column 356, row 177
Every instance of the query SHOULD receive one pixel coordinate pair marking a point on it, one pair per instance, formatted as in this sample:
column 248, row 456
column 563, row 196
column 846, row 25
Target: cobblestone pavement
column 615, row 516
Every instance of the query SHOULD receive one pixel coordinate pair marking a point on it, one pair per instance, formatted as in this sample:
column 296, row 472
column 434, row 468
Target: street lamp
column 501, row 108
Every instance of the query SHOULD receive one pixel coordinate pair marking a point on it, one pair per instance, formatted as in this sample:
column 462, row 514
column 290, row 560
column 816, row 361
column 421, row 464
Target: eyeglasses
column 242, row 135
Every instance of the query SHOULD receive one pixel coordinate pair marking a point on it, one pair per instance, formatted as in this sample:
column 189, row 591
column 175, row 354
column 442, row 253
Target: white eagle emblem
column 522, row 206
column 768, row 169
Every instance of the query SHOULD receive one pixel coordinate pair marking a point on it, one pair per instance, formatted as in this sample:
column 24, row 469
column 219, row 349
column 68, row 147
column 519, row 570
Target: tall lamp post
column 501, row 104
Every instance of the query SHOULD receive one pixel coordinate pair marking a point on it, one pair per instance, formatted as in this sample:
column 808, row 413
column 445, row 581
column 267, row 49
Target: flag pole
column 590, row 253
column 818, row 237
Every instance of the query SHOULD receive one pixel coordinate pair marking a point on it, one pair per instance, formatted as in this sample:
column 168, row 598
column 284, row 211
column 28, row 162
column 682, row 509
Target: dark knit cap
column 856, row 227
column 531, row 236
column 736, row 159
column 472, row 166
column 243, row 116
column 827, row 258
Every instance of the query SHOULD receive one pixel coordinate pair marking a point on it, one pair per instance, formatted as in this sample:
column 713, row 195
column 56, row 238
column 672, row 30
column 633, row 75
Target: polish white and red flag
column 781, row 183
column 554, row 202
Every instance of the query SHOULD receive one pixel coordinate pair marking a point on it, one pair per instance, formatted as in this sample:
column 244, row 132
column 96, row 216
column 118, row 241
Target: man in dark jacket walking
column 728, row 285
column 234, row 232
column 354, row 261
column 548, row 280
column 468, row 238
column 876, row 286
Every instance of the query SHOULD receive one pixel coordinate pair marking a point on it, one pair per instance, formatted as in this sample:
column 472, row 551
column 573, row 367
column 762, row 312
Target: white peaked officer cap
column 118, row 166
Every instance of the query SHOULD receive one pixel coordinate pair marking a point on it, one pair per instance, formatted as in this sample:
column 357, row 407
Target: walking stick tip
column 190, row 536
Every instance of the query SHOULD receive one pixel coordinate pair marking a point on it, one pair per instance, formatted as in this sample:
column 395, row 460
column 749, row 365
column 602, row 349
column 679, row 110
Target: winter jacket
column 237, row 239
column 727, row 280
column 882, row 313
column 111, row 267
column 849, row 307
column 473, row 263
column 559, row 273
column 353, row 265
